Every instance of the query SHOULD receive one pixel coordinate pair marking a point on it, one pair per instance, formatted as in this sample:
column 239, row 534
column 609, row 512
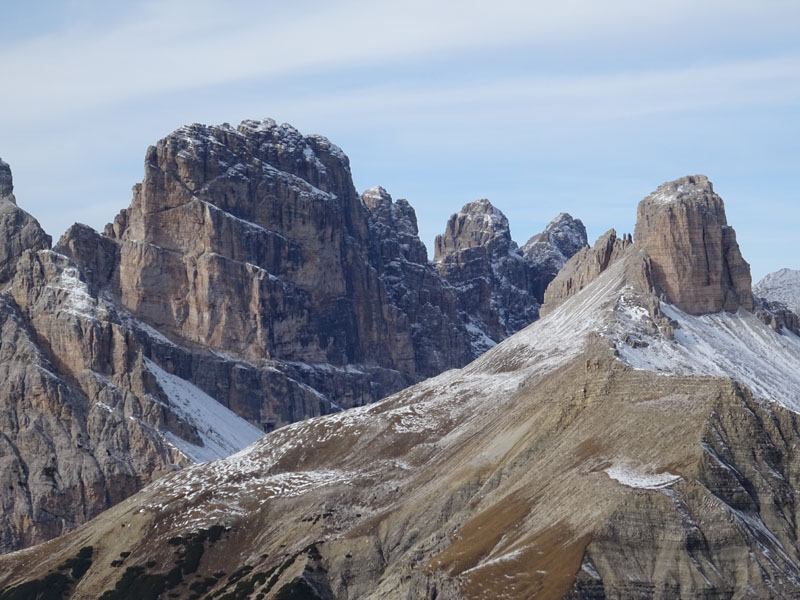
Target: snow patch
column 78, row 301
column 222, row 431
column 781, row 286
column 644, row 481
column 739, row 346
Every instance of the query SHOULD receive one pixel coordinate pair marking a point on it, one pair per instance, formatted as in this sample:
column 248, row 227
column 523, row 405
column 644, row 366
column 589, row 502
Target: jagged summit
column 477, row 224
column 500, row 285
column 564, row 235
column 19, row 231
column 549, row 250
column 618, row 447
column 781, row 286
column 695, row 260
column 6, row 181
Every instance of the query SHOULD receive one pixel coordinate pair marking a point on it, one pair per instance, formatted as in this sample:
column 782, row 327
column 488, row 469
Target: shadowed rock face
column 499, row 285
column 413, row 285
column 6, row 181
column 247, row 269
column 19, row 231
column 549, row 250
column 695, row 260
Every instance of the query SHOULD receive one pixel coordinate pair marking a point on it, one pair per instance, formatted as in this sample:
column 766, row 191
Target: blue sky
column 541, row 107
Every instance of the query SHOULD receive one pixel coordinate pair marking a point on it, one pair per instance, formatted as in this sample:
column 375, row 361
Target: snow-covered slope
column 781, row 286
column 222, row 431
column 737, row 345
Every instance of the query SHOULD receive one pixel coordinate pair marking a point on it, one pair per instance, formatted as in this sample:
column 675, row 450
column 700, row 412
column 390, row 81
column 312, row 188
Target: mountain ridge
column 247, row 270
column 617, row 447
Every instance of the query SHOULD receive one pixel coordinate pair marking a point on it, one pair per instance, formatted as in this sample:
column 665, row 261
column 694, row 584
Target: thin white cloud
column 554, row 101
column 173, row 46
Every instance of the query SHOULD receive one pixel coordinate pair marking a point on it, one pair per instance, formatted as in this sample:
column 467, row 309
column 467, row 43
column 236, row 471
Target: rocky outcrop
column 695, row 260
column 247, row 284
column 78, row 414
column 550, row 250
column 19, row 231
column 584, row 267
column 414, row 286
column 499, row 286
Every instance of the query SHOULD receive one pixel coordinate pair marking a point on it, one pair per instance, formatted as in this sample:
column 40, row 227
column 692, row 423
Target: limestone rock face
column 584, row 267
column 19, row 231
column 79, row 412
column 247, row 286
column 438, row 329
column 265, row 213
column 695, row 260
column 549, row 250
column 499, row 286
column 6, row 180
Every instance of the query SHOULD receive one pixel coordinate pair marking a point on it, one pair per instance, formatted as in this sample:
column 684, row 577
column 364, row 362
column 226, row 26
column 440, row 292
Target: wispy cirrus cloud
column 529, row 103
column 162, row 47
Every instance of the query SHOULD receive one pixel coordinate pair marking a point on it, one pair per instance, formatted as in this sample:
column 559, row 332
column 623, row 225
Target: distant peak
column 6, row 180
column 376, row 195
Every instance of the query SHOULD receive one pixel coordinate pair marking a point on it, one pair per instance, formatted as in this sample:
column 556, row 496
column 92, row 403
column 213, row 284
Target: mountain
column 781, row 286
column 500, row 287
column 639, row 440
column 247, row 286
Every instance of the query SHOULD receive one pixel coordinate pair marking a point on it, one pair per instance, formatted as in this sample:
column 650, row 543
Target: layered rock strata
column 247, row 286
column 500, row 286
column 686, row 253
column 695, row 259
column 588, row 478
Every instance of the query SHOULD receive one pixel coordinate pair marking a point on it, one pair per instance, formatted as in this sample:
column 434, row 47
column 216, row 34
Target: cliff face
column 500, row 286
column 549, row 250
column 246, row 287
column 19, row 231
column 439, row 336
column 685, row 253
column 614, row 462
column 695, row 260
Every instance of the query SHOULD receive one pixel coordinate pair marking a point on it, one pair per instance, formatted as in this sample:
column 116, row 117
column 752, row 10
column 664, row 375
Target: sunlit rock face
column 695, row 260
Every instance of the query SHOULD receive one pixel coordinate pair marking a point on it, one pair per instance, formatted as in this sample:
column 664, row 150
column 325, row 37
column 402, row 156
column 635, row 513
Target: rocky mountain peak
column 564, row 234
column 6, row 181
column 781, row 286
column 694, row 258
column 395, row 226
column 479, row 223
column 19, row 231
column 549, row 250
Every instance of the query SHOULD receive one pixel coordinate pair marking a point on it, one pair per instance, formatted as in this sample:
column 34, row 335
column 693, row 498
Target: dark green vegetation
column 138, row 584
column 297, row 589
column 243, row 583
column 55, row 585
